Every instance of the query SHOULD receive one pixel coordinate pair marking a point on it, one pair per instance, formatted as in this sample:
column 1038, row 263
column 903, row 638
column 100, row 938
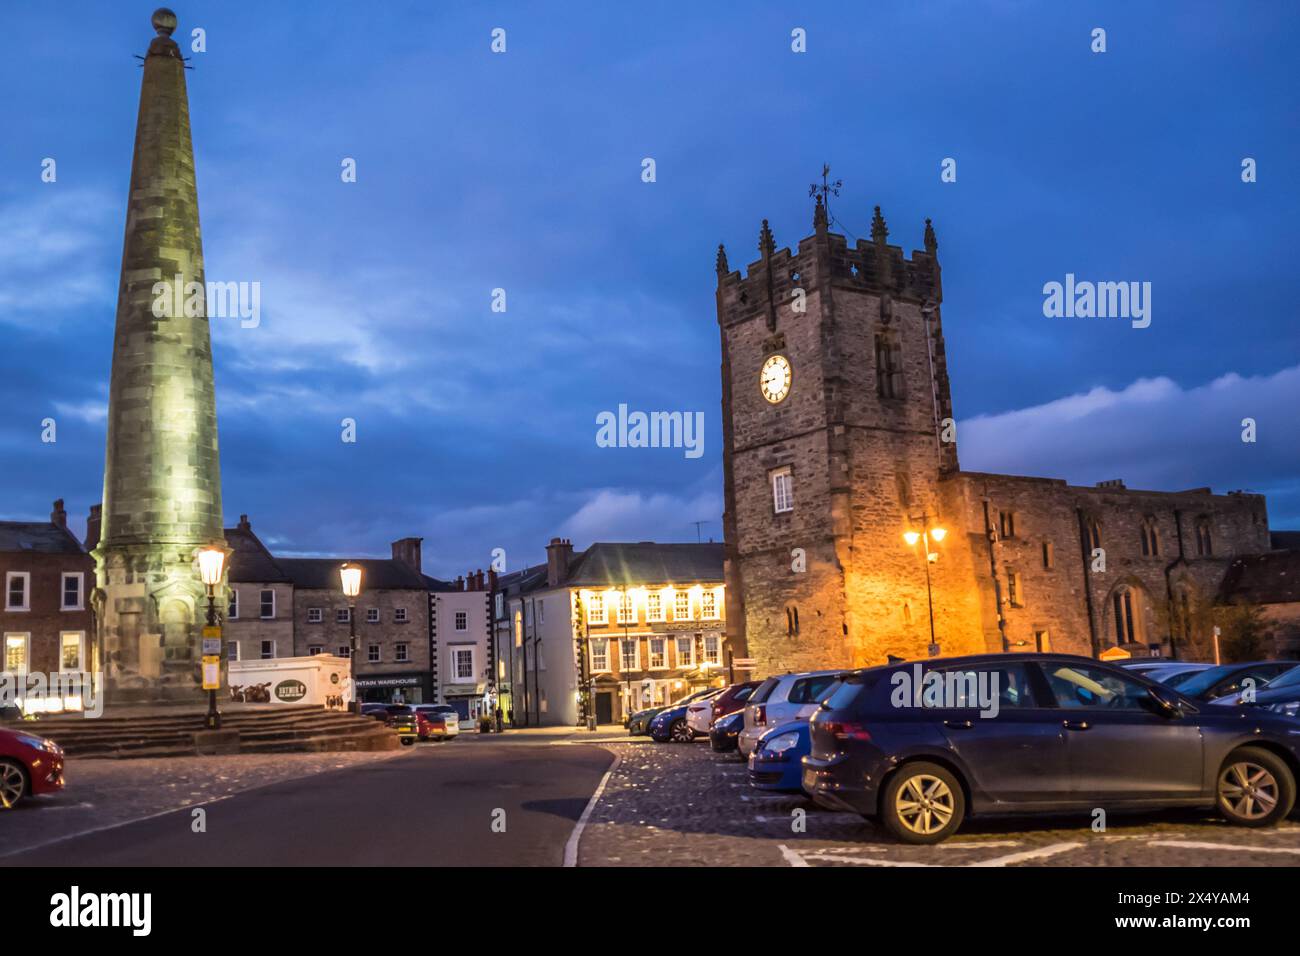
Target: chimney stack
column 478, row 580
column 558, row 555
column 58, row 515
column 407, row 550
column 244, row 524
column 93, row 522
column 460, row 583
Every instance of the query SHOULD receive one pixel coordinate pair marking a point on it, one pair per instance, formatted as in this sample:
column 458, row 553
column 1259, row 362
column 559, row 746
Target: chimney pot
column 558, row 555
column 58, row 515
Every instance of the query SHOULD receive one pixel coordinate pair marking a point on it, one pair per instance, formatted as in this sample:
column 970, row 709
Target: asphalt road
column 434, row 807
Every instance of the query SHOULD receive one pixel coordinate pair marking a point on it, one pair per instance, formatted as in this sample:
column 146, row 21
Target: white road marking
column 1041, row 853
column 571, row 847
column 1233, row 847
column 791, row 857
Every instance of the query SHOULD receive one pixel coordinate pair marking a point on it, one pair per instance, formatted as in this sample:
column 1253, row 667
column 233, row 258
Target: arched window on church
column 1204, row 545
column 1094, row 534
column 792, row 620
column 889, row 365
column 1127, row 610
column 1150, row 540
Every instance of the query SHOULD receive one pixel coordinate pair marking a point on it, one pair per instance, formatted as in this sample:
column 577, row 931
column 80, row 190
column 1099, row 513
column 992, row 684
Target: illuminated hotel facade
column 610, row 630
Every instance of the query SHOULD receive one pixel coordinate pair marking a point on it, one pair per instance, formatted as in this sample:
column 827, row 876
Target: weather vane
column 827, row 189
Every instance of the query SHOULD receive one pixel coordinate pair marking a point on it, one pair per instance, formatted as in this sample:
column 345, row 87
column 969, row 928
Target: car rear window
column 743, row 694
column 808, row 690
column 764, row 691
column 843, row 696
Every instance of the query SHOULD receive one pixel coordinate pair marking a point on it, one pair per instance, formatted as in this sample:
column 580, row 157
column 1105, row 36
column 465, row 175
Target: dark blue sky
column 522, row 171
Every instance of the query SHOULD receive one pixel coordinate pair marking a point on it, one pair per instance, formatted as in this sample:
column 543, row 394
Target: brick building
column 46, row 619
column 617, row 627
column 839, row 439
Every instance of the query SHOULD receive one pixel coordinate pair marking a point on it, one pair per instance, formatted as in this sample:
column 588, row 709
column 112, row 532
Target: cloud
column 615, row 515
column 1155, row 434
column 49, row 255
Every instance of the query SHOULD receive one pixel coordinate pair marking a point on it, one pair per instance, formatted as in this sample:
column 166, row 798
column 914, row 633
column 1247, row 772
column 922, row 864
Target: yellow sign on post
column 211, row 672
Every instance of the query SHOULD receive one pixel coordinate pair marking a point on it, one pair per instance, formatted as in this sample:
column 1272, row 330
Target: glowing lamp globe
column 911, row 537
column 938, row 533
column 350, row 575
column 211, row 561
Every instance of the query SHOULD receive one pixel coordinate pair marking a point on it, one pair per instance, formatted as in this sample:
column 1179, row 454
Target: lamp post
column 211, row 563
column 924, row 535
column 350, row 576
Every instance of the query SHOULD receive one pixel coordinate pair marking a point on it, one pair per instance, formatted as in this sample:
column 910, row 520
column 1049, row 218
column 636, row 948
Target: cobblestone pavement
column 682, row 805
column 106, row 793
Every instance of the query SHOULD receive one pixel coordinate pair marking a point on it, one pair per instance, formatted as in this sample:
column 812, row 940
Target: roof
column 1269, row 578
column 379, row 574
column 43, row 537
column 605, row 564
column 523, row 581
column 1284, row 539
column 250, row 561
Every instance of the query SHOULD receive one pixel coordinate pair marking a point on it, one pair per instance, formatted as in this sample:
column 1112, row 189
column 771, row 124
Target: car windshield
column 1201, row 682
column 764, row 691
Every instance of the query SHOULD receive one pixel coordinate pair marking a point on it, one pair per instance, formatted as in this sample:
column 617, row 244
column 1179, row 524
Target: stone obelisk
column 162, row 483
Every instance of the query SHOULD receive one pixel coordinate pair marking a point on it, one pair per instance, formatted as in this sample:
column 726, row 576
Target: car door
column 1012, row 745
column 1118, row 746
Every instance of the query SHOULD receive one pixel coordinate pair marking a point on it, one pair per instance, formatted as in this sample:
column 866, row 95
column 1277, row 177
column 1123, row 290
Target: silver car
column 779, row 700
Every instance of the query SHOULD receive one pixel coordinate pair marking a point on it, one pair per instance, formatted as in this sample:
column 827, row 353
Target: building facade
column 45, row 618
column 610, row 630
column 840, row 447
column 419, row 639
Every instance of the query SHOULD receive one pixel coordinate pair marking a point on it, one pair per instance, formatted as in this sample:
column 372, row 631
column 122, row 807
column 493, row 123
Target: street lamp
column 350, row 576
column 211, row 563
column 925, row 535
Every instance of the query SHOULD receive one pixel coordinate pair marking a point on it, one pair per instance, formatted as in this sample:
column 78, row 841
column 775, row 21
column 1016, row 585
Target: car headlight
column 1291, row 708
column 781, row 743
column 36, row 743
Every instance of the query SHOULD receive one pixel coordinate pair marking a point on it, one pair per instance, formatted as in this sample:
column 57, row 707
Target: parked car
column 670, row 725
column 725, row 730
column 1179, row 678
column 437, row 721
column 777, row 760
column 402, row 718
column 1227, row 680
column 29, row 766
column 701, row 714
column 779, row 700
column 1279, row 696
column 377, row 711
column 1173, row 673
column 639, row 723
column 1061, row 734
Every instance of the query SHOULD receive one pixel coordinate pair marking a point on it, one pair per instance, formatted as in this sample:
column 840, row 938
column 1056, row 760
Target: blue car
column 670, row 724
column 777, row 761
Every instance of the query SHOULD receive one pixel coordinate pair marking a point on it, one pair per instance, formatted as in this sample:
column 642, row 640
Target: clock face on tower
column 774, row 380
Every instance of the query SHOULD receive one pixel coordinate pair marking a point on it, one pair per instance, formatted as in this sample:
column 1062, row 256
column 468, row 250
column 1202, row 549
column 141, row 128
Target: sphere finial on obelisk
column 164, row 21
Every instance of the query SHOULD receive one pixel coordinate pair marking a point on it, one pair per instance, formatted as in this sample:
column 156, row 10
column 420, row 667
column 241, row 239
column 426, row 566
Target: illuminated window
column 709, row 605
column 626, row 611
column 682, row 606
column 70, row 651
column 712, row 649
column 629, row 654
column 654, row 606
column 596, row 609
column 600, row 654
column 658, row 653
column 686, row 652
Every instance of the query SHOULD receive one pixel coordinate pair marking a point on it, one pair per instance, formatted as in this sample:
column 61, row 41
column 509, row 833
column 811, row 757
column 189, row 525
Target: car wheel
column 922, row 803
column 1256, row 788
column 13, row 783
column 680, row 733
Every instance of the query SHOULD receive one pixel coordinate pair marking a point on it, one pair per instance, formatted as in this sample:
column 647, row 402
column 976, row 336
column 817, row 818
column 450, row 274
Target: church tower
column 162, row 484
column 837, row 440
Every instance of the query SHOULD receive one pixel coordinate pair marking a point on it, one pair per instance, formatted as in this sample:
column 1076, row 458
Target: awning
column 464, row 690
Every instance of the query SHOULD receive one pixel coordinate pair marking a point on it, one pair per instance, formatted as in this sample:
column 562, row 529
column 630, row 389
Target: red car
column 701, row 715
column 29, row 765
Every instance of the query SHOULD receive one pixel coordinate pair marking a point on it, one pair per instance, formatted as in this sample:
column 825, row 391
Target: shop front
column 470, row 700
column 407, row 688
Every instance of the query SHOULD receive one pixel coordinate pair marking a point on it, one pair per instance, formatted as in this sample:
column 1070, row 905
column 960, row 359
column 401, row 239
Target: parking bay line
column 1233, row 847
